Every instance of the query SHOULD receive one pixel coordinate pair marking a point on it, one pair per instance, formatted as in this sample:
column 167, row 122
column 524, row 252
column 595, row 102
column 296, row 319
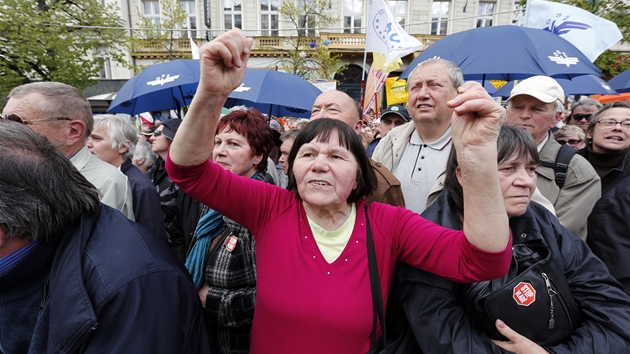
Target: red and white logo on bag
column 524, row 294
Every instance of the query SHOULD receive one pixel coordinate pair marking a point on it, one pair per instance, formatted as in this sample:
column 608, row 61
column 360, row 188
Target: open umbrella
column 579, row 85
column 276, row 93
column 508, row 53
column 621, row 82
column 164, row 86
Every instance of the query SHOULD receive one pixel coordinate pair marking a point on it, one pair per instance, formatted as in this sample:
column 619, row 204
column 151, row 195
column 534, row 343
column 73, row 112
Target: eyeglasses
column 609, row 123
column 15, row 118
column 570, row 141
column 580, row 116
column 157, row 133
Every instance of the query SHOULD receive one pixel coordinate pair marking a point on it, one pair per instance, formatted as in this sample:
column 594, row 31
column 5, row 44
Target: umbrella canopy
column 508, row 53
column 163, row 86
column 579, row 85
column 621, row 82
column 274, row 92
column 612, row 98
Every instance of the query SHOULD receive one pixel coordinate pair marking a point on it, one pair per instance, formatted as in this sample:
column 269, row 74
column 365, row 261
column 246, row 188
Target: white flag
column 194, row 49
column 385, row 36
column 591, row 34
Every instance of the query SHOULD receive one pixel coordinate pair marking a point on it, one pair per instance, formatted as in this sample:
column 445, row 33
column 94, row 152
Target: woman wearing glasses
column 582, row 111
column 608, row 137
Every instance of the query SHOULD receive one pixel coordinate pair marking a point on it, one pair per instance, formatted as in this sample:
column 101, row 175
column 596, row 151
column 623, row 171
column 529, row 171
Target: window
column 518, row 16
column 307, row 23
column 190, row 23
column 106, row 69
column 151, row 11
column 232, row 14
column 352, row 16
column 269, row 17
column 484, row 14
column 439, row 17
column 399, row 10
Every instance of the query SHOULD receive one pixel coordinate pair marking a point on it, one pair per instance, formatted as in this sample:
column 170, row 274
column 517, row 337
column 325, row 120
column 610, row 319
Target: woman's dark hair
column 512, row 141
column 321, row 130
column 253, row 126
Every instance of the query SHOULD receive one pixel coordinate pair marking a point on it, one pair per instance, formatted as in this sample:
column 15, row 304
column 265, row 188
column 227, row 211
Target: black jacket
column 115, row 288
column 146, row 201
column 609, row 223
column 181, row 211
column 440, row 321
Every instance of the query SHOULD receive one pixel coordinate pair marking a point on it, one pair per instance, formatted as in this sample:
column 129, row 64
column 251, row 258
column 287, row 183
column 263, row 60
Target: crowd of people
column 494, row 229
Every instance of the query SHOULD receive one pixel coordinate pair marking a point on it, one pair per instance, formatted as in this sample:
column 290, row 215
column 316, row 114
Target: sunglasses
column 570, row 141
column 15, row 118
column 580, row 116
column 157, row 133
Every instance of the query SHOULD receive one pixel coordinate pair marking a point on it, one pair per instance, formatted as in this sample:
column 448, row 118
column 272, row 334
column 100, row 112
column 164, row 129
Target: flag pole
column 361, row 98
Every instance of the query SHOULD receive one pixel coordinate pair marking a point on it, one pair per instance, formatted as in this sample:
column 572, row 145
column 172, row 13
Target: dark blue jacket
column 609, row 223
column 441, row 323
column 115, row 288
column 147, row 208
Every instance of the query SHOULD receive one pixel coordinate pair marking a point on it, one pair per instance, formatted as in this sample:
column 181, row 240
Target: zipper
column 551, row 294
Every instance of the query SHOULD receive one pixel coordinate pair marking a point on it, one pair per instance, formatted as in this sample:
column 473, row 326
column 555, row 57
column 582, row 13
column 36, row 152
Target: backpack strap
column 561, row 166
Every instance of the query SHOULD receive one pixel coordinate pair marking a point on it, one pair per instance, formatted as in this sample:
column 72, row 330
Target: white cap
column 543, row 88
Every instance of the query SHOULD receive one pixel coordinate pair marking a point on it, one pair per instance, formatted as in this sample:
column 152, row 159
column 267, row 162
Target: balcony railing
column 338, row 42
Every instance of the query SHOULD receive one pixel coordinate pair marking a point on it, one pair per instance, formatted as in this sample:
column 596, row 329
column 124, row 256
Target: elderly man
column 61, row 114
column 535, row 104
column 416, row 152
column 338, row 105
column 113, row 140
column 76, row 276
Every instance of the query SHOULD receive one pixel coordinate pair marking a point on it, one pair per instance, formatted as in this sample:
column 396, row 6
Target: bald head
column 338, row 105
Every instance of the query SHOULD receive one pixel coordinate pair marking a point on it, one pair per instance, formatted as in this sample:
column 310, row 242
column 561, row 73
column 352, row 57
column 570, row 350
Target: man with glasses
column 581, row 113
column 608, row 137
column 535, row 104
column 61, row 114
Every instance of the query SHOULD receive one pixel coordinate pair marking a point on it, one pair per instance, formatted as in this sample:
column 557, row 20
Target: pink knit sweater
column 303, row 303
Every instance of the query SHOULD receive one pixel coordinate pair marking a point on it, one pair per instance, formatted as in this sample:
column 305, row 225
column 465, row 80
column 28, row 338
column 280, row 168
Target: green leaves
column 57, row 41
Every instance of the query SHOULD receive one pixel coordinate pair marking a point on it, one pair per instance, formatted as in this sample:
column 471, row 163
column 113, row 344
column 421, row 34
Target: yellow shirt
column 332, row 243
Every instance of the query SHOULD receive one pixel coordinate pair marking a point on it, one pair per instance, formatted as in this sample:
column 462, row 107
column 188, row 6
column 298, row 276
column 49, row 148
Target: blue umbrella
column 579, row 85
column 508, row 53
column 164, row 86
column 276, row 93
column 621, row 82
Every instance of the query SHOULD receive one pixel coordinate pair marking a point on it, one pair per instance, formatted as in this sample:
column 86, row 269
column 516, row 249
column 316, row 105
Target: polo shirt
column 419, row 167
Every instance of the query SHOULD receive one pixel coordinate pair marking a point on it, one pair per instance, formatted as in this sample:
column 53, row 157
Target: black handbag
column 399, row 339
column 534, row 299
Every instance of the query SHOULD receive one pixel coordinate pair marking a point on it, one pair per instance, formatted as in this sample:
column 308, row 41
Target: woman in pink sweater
column 313, row 285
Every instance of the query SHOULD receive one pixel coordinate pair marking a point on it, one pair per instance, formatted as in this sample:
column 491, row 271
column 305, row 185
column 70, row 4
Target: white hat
column 543, row 88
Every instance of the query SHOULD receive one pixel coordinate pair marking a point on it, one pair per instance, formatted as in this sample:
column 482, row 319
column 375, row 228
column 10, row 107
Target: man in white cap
column 535, row 104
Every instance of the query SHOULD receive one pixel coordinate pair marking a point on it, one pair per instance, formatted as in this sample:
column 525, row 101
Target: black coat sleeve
column 608, row 235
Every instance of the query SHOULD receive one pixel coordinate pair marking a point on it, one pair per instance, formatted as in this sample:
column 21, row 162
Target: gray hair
column 454, row 72
column 120, row 131
column 587, row 105
column 144, row 157
column 60, row 100
column 41, row 192
column 289, row 135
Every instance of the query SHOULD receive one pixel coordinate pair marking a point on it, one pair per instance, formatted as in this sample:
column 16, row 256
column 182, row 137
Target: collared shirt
column 540, row 146
column 420, row 166
column 8, row 261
